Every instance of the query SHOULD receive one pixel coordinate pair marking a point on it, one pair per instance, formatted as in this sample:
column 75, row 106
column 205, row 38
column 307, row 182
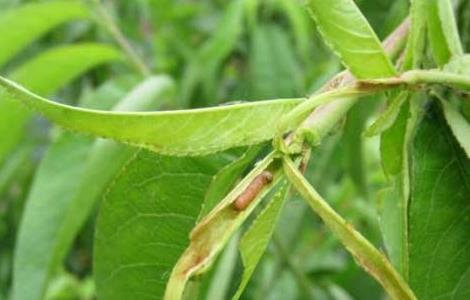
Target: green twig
column 371, row 259
column 114, row 30
column 420, row 77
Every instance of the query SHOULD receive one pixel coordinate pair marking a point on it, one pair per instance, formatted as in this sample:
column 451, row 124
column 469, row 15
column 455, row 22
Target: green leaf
column 438, row 213
column 44, row 75
column 187, row 132
column 215, row 51
column 224, row 180
column 370, row 258
column 109, row 93
column 255, row 241
column 392, row 224
column 67, row 62
column 17, row 161
column 212, row 233
column 395, row 150
column 415, row 46
column 459, row 126
column 43, row 215
column 145, row 221
column 300, row 23
column 205, row 65
column 351, row 37
column 221, row 280
column 23, row 25
column 392, row 142
column 273, row 59
column 353, row 142
column 386, row 119
column 62, row 198
column 459, row 65
column 443, row 33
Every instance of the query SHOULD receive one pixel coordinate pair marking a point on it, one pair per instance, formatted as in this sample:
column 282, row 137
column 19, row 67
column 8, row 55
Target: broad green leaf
column 187, row 132
column 21, row 26
column 459, row 125
column 438, row 213
column 61, row 199
column 349, row 34
column 254, row 242
column 443, row 33
column 145, row 221
column 44, row 75
column 272, row 60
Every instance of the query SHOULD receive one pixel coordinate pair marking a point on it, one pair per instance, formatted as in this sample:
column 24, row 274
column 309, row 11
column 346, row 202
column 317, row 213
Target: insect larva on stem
column 253, row 189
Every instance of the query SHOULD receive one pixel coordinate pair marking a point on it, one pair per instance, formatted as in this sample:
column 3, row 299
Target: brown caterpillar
column 253, row 189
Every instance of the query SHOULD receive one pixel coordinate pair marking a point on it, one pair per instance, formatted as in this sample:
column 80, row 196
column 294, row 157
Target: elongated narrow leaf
column 273, row 59
column 443, row 32
column 459, row 125
column 190, row 132
column 21, row 26
column 415, row 46
column 392, row 225
column 67, row 62
column 254, row 242
column 459, row 65
column 353, row 142
column 44, row 75
column 225, row 179
column 392, row 142
column 60, row 202
column 220, row 45
column 145, row 222
column 370, row 258
column 43, row 215
column 351, row 37
column 438, row 213
column 300, row 23
column 208, row 59
column 221, row 280
column 19, row 160
column 386, row 120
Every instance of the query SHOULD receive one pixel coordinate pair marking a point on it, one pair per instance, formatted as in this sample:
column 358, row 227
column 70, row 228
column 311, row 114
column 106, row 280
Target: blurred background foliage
column 216, row 51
